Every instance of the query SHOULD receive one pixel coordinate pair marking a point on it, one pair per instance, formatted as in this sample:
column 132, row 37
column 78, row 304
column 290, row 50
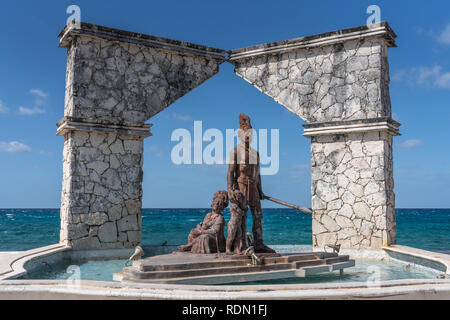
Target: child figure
column 237, row 226
column 208, row 236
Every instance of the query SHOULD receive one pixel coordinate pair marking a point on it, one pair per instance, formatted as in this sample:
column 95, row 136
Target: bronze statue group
column 244, row 191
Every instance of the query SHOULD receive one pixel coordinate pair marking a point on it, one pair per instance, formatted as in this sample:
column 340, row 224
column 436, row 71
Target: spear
column 286, row 204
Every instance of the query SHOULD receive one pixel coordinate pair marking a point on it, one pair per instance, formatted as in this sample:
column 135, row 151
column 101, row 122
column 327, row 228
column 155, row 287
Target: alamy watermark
column 374, row 279
column 374, row 20
column 213, row 147
column 74, row 20
column 74, row 280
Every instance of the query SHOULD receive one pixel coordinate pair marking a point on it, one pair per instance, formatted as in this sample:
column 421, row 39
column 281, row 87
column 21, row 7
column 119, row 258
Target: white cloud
column 3, row 108
column 444, row 36
column 424, row 76
column 41, row 96
column 14, row 147
column 399, row 75
column 181, row 117
column 412, row 143
column 39, row 93
column 418, row 75
column 30, row 112
column 443, row 81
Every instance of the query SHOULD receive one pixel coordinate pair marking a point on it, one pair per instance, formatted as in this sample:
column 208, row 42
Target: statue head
column 245, row 132
column 220, row 201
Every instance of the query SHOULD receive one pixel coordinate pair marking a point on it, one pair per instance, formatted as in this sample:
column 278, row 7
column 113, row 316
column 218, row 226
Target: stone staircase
column 182, row 268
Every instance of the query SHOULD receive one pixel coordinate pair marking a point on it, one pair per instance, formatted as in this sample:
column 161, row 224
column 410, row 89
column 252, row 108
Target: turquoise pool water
column 83, row 270
column 427, row 229
column 363, row 271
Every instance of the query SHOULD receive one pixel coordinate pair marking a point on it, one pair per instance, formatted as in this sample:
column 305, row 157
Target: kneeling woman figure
column 210, row 233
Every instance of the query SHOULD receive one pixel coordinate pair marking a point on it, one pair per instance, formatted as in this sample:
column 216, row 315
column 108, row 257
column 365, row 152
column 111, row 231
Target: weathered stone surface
column 328, row 83
column 97, row 196
column 108, row 232
column 133, row 207
column 123, row 82
column 115, row 213
column 134, row 236
column 362, row 211
column 98, row 166
column 94, row 219
column 128, row 223
column 349, row 196
column 78, row 230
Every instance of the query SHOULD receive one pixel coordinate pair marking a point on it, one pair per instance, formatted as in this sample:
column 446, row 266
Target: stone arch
column 337, row 82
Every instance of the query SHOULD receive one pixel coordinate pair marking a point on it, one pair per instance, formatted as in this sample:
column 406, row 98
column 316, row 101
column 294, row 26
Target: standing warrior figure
column 244, row 175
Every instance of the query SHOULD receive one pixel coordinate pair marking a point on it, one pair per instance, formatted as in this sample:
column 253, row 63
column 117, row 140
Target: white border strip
column 352, row 128
column 83, row 126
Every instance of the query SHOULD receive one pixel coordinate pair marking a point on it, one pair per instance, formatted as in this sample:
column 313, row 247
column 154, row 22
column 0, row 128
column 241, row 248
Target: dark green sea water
column 427, row 229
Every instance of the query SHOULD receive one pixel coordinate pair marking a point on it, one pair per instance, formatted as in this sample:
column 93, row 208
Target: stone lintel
column 96, row 31
column 352, row 126
column 75, row 124
column 383, row 30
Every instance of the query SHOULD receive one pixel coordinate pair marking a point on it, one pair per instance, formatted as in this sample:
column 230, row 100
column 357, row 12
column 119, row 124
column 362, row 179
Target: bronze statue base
column 191, row 268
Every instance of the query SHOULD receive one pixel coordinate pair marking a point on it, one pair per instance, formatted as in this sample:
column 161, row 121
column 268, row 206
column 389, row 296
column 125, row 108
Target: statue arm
column 261, row 194
column 258, row 181
column 231, row 176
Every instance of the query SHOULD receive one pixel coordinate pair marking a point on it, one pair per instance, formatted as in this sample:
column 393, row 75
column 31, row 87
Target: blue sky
column 32, row 75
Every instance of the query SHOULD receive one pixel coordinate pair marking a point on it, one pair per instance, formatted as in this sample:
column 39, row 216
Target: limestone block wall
column 352, row 186
column 102, row 193
column 125, row 77
column 331, row 77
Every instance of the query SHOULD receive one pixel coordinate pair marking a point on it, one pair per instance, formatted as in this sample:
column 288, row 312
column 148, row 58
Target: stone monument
column 337, row 82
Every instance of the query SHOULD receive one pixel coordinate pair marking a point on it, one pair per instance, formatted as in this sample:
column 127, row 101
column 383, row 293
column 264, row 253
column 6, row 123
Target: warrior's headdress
column 244, row 122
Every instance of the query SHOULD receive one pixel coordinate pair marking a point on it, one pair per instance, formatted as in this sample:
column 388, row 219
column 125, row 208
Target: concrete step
column 204, row 272
column 300, row 257
column 244, row 277
column 222, row 269
column 146, row 266
column 200, row 265
column 219, row 279
column 205, row 269
column 337, row 259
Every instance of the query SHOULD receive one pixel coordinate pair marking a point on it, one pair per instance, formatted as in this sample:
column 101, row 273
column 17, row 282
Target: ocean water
column 23, row 229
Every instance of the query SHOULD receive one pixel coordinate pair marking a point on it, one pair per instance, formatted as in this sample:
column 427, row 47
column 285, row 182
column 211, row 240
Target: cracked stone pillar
column 115, row 81
column 352, row 183
column 338, row 82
